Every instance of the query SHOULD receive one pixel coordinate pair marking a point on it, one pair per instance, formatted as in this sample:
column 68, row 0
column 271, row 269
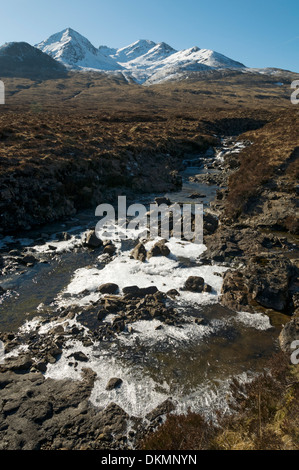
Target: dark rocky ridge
column 19, row 59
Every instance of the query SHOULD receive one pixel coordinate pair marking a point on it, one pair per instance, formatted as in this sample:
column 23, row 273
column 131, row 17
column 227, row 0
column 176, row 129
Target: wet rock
column 109, row 249
column 63, row 236
column 194, row 284
column 21, row 363
column 108, row 288
column 235, row 294
column 114, row 383
column 172, row 293
column 139, row 252
column 57, row 330
column 28, row 259
column 207, row 288
column 52, row 247
column 92, row 241
column 139, row 292
column 112, row 303
column 159, row 249
column 79, row 356
column 41, row 366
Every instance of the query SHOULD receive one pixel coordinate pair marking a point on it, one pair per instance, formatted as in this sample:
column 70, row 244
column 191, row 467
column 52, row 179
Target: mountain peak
column 76, row 51
column 134, row 50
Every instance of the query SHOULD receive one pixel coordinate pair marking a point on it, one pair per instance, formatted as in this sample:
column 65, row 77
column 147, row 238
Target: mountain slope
column 20, row 59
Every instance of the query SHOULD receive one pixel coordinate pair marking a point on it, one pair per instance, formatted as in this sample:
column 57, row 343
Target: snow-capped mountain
column 154, row 57
column 143, row 60
column 133, row 51
column 76, row 52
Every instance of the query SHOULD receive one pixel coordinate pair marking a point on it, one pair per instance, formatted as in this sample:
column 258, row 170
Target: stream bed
column 191, row 363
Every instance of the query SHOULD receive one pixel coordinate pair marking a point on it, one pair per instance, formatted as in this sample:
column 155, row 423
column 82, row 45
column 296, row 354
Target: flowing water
column 191, row 363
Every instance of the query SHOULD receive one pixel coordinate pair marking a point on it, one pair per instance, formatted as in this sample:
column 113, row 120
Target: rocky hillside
column 258, row 230
column 19, row 59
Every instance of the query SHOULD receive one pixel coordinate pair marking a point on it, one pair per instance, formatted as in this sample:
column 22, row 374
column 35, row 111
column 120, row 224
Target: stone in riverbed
column 108, row 288
column 79, row 356
column 92, row 241
column 194, row 284
column 197, row 284
column 139, row 252
column 28, row 259
column 114, row 383
column 172, row 293
column 159, row 249
column 110, row 249
column 135, row 291
column 63, row 236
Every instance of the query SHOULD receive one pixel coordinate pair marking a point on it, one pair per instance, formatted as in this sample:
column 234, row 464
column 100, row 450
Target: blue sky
column 259, row 33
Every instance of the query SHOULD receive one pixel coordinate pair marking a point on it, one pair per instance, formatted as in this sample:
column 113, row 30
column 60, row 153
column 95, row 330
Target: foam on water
column 259, row 321
column 148, row 333
column 60, row 246
column 163, row 272
column 139, row 393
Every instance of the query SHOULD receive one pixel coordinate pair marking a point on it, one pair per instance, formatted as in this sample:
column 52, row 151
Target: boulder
column 108, row 288
column 79, row 356
column 91, row 240
column 194, row 284
column 159, row 249
column 139, row 252
column 110, row 249
column 114, row 383
column 135, row 291
column 172, row 293
column 28, row 259
column 63, row 236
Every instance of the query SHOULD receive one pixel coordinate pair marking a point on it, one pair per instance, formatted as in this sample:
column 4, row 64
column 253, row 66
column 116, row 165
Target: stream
column 191, row 363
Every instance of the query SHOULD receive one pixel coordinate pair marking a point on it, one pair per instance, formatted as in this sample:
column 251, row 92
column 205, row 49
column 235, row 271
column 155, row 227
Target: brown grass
column 273, row 155
column 265, row 417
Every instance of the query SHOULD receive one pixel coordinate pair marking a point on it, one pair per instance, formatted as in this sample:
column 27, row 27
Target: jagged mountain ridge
column 140, row 60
